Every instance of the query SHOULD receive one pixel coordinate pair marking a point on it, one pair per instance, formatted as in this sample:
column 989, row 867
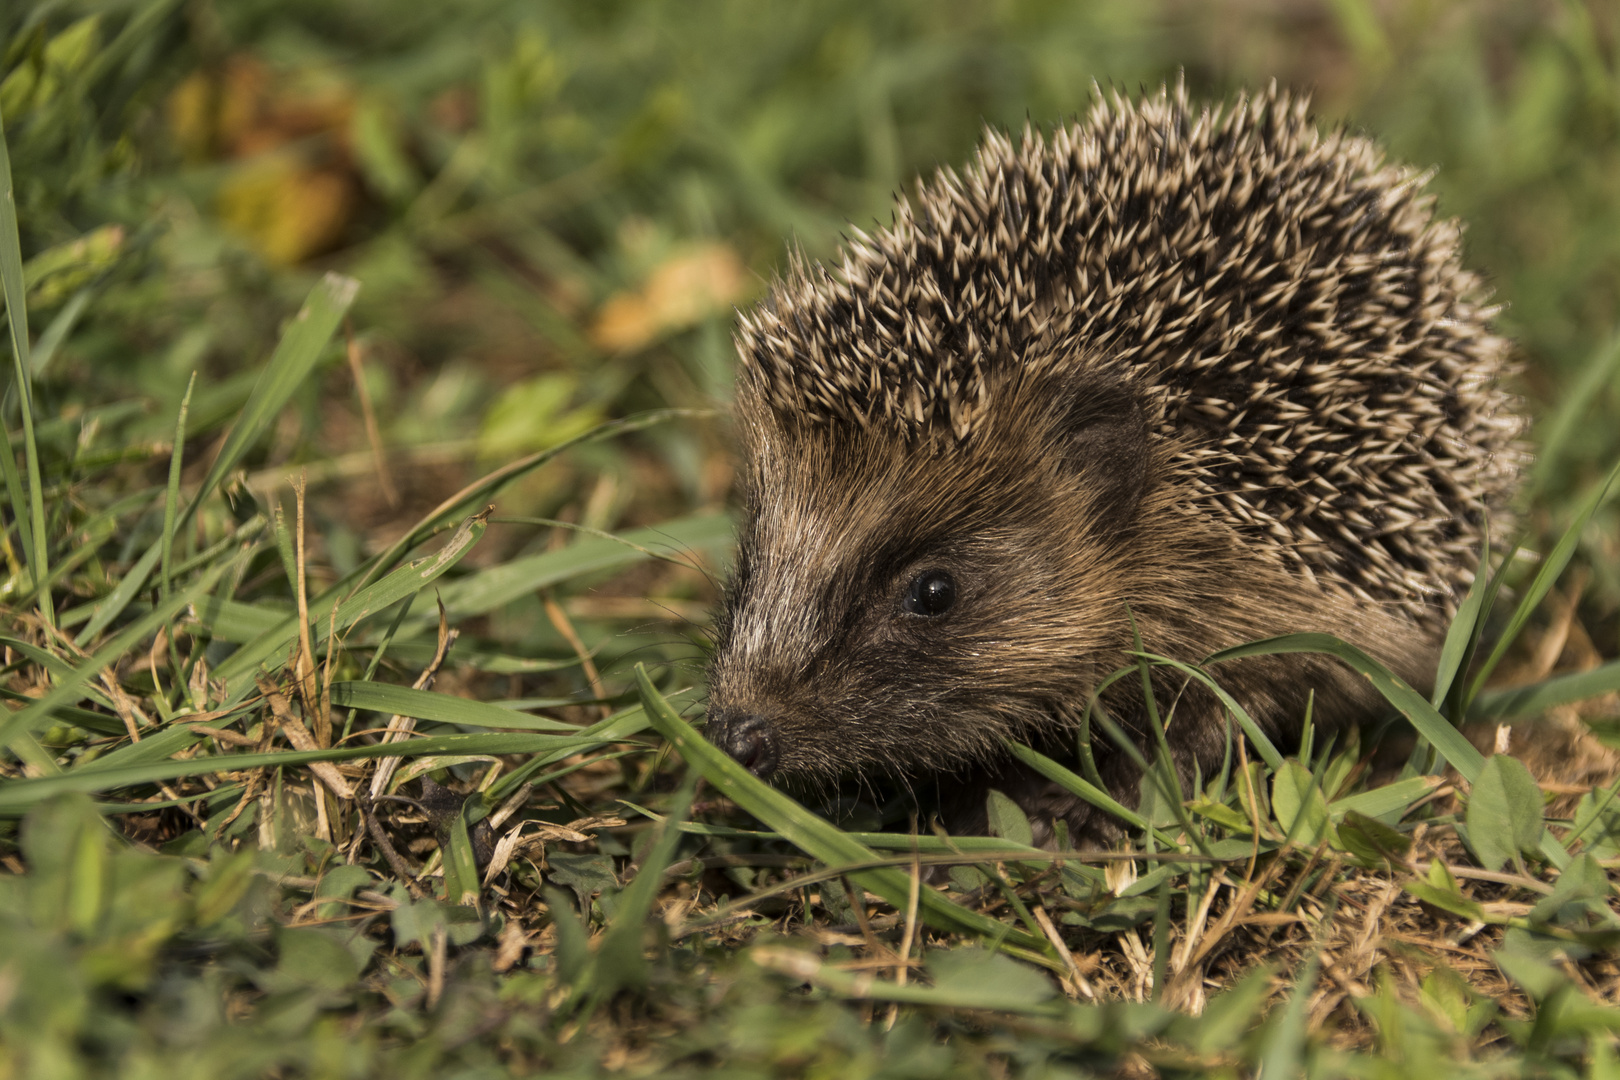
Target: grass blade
column 1078, row 785
column 1282, row 1054
column 1462, row 636
column 616, row 728
column 70, row 689
column 239, row 668
column 427, row 705
column 1257, row 737
column 619, row 962
column 486, row 486
column 1577, row 399
column 812, row 834
column 171, row 501
column 499, row 585
column 1551, row 568
column 18, row 795
column 1412, row 705
column 1021, row 997
column 113, row 605
column 1501, row 705
column 11, row 283
column 295, row 357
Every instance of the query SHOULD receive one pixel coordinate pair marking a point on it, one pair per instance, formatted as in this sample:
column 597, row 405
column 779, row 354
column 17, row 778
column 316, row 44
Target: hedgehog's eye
column 930, row 593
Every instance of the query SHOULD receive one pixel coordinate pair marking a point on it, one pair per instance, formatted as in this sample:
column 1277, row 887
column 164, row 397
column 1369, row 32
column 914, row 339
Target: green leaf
column 314, row 959
column 1008, row 821
column 228, row 881
column 1299, row 805
column 812, row 834
column 992, row 980
column 1227, row 817
column 1441, row 891
column 1505, row 812
column 1580, row 899
column 1597, row 823
column 587, row 873
column 1372, row 842
column 1523, row 959
column 1390, row 801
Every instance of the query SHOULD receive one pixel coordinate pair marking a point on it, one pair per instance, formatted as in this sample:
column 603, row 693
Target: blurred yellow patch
column 688, row 287
column 191, row 107
column 288, row 211
column 290, row 205
column 533, row 415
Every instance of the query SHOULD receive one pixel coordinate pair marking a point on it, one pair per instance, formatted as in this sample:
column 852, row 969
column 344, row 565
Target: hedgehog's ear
column 1105, row 439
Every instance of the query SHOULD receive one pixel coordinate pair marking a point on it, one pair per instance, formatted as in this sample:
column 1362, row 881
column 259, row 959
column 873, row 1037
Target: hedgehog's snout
column 748, row 737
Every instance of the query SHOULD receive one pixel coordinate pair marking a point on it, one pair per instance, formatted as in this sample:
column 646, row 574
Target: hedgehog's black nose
column 747, row 737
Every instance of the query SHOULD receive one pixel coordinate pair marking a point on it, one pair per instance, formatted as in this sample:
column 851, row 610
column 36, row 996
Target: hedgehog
column 1184, row 376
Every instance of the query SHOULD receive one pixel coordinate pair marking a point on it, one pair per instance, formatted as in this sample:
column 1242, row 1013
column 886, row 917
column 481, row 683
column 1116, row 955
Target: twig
column 129, row 712
column 355, row 351
column 1074, row 978
column 299, row 736
column 436, row 962
column 901, row 972
column 1500, row 878
column 386, row 846
column 304, row 666
column 857, row 903
column 1195, row 925
column 559, row 619
column 400, row 726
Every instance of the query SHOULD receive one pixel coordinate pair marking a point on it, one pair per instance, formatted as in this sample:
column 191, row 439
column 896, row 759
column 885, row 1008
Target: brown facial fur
column 1047, row 553
column 1013, row 385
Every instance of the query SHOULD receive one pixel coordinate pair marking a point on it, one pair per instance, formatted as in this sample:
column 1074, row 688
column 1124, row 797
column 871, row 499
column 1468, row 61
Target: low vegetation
column 366, row 491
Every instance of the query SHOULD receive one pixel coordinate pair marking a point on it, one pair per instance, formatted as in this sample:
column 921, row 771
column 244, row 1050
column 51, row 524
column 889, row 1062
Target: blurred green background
column 554, row 207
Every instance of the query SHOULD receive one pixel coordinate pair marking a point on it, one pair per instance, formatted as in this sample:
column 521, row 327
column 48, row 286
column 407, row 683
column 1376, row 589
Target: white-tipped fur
column 1297, row 323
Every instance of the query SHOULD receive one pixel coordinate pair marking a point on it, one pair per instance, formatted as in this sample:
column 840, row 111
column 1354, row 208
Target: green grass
column 421, row 256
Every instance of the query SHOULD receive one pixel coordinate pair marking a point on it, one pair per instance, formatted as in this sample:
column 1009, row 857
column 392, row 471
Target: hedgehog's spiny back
column 1284, row 303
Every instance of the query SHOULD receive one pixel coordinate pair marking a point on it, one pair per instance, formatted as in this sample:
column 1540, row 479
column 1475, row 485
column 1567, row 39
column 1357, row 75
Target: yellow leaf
column 685, row 289
column 287, row 210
